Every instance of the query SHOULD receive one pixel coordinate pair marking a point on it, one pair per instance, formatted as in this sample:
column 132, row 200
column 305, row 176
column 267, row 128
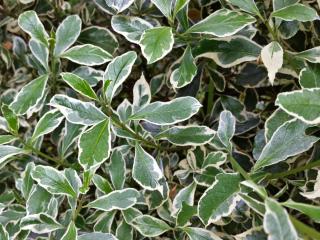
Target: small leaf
column 277, row 118
column 11, row 119
column 4, row 235
column 78, row 84
column 310, row 210
column 97, row 236
column 294, row 103
column 87, row 54
column 130, row 27
column 226, row 129
column 29, row 96
column 52, row 180
column 272, row 58
column 145, row 170
column 310, row 55
column 200, row 234
column 214, row 159
column 7, row 152
column 124, row 231
column 102, row 184
column 94, row 145
column 185, row 213
column 119, row 200
column 4, row 139
column 309, row 77
column 179, row 5
column 187, row 70
column 156, row 43
column 222, row 23
column 40, row 52
column 246, row 5
column 165, row 6
column 71, row 232
column 39, row 223
column 117, row 169
column 297, row 12
column 47, row 123
column 141, row 93
column 120, row 6
column 288, row 140
column 76, row 111
column 219, row 200
column 185, row 195
column 31, row 24
column 187, row 135
column 276, row 222
column 150, row 226
column 67, row 34
column 38, row 200
column 117, row 72
column 89, row 74
column 166, row 113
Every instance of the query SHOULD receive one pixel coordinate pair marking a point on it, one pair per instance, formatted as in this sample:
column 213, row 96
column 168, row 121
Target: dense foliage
column 159, row 119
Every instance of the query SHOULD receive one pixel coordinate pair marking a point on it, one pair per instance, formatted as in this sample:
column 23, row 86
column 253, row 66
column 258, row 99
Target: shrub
column 159, row 119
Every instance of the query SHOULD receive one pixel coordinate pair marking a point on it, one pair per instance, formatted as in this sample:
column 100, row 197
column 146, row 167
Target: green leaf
column 38, row 200
column 220, row 198
column 79, row 84
column 117, row 72
column 31, row 24
column 47, row 123
column 67, row 34
column 310, row 55
column 117, row 169
column 102, row 184
column 29, row 96
column 145, row 170
column 97, row 236
column 310, row 210
column 283, row 3
column 302, row 104
column 185, row 214
column 309, row 77
column 95, row 145
column 141, row 93
column 99, row 36
column 156, row 43
column 124, row 231
column 297, row 12
column 187, row 70
column 165, row 6
column 288, row 140
column 230, row 52
column 179, row 5
column 39, row 223
column 226, row 129
column 185, row 195
column 11, row 119
column 166, row 113
column 40, row 52
column 120, row 6
column 7, row 152
column 272, row 58
column 130, row 27
column 27, row 182
column 200, row 234
column 214, row 159
column 222, row 23
column 89, row 74
column 150, row 226
column 76, row 111
column 187, row 135
column 4, row 235
column 87, row 54
column 277, row 118
column 71, row 232
column 4, row 139
column 276, row 222
column 53, row 180
column 130, row 214
column 246, row 5
column 116, row 200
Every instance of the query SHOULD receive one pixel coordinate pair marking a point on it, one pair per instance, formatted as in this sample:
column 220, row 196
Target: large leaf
column 117, row 72
column 166, row 113
column 119, row 5
column 219, row 199
column 130, row 27
column 165, row 6
column 272, row 58
column 39, row 223
column 7, row 152
column 297, row 11
column 145, row 170
column 76, row 111
column 310, row 55
column 288, row 140
column 119, row 200
column 87, row 54
column 156, row 43
column 117, row 169
column 185, row 195
column 47, row 123
column 246, row 5
column 29, row 96
column 30, row 23
column 187, row 70
column 222, row 23
column 310, row 210
column 309, row 77
column 53, row 180
column 67, row 33
column 150, row 226
column 40, row 52
column 187, row 135
column 95, row 145
column 302, row 104
column 276, row 222
column 79, row 84
column 71, row 232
